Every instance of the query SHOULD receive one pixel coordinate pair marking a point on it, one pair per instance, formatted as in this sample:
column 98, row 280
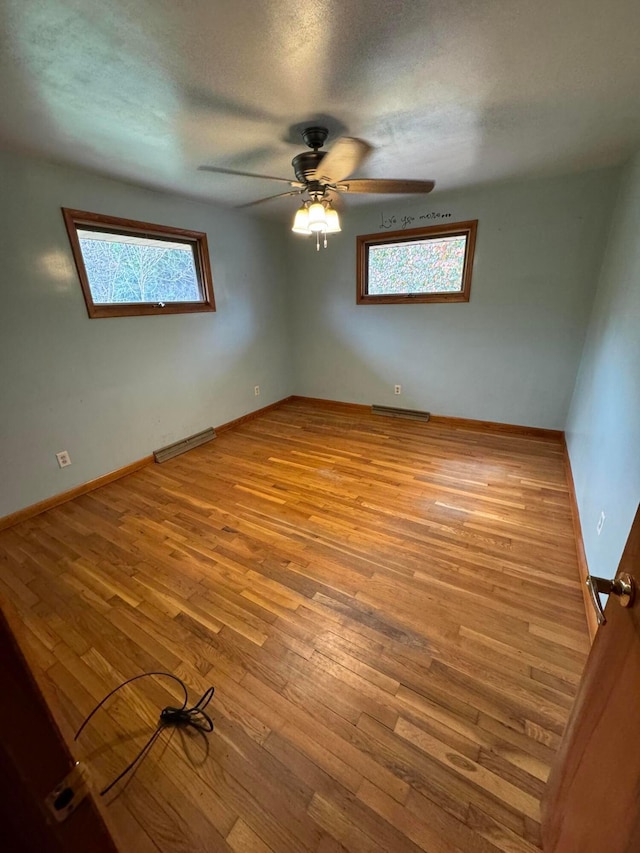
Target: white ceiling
column 461, row 91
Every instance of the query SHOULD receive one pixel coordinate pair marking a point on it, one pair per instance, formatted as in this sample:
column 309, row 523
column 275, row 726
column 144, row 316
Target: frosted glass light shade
column 317, row 217
column 301, row 221
column 333, row 221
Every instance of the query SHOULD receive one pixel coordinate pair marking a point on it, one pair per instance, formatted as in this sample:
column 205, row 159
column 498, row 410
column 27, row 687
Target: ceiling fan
column 322, row 174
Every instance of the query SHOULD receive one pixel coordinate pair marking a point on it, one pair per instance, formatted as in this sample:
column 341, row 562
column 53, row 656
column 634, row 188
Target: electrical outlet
column 63, row 458
column 256, row 390
column 600, row 524
column 397, row 389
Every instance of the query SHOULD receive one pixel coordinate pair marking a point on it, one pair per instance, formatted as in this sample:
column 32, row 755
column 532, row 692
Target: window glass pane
column 425, row 266
column 124, row 268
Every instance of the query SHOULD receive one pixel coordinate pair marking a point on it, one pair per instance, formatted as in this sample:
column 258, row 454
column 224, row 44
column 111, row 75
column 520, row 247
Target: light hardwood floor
column 389, row 611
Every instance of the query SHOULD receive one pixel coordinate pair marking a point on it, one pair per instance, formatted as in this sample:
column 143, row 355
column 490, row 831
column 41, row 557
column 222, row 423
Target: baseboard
column 82, row 489
column 496, row 426
column 443, row 420
column 252, row 415
column 583, row 567
column 332, row 404
column 85, row 488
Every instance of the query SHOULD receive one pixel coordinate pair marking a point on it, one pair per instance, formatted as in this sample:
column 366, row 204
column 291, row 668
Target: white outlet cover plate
column 63, row 458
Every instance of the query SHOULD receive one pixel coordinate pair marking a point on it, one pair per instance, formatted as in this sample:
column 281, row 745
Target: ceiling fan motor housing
column 306, row 163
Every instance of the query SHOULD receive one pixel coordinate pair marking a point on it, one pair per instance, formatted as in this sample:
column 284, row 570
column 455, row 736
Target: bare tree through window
column 138, row 271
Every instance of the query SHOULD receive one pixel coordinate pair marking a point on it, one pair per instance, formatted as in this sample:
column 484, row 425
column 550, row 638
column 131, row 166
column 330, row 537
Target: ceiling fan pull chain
column 325, row 239
column 317, row 241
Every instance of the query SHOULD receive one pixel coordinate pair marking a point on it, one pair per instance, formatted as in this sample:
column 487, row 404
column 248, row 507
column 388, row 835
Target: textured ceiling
column 462, row 91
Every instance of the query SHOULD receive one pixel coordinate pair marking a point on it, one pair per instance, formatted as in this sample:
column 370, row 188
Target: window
column 418, row 265
column 128, row 268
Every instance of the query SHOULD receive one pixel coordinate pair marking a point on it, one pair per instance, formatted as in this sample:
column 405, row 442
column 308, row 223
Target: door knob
column 623, row 587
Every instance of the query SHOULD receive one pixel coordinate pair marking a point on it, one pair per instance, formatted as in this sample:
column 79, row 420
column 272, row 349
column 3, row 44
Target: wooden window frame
column 75, row 219
column 451, row 229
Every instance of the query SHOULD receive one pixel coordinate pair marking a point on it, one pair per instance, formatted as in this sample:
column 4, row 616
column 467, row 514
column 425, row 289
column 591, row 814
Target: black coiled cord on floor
column 195, row 716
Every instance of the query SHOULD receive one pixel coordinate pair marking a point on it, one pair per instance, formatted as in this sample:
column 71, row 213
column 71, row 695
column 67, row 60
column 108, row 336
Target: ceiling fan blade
column 222, row 171
column 344, row 157
column 269, row 198
column 385, row 185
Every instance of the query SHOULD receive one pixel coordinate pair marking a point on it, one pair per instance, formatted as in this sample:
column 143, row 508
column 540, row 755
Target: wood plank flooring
column 389, row 611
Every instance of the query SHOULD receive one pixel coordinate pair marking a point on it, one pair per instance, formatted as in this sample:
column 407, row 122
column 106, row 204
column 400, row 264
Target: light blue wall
column 111, row 391
column 603, row 428
column 511, row 354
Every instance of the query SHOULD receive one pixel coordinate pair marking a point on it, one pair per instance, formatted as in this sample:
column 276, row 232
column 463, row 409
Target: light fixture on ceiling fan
column 316, row 217
column 323, row 173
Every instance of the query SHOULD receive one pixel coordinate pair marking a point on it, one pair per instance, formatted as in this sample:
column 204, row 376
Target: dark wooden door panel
column 33, row 760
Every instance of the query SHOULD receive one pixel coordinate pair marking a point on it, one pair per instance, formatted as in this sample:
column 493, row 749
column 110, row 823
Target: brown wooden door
column 592, row 802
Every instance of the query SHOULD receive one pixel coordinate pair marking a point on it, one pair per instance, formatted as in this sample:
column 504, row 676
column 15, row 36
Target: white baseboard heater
column 184, row 444
column 393, row 412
